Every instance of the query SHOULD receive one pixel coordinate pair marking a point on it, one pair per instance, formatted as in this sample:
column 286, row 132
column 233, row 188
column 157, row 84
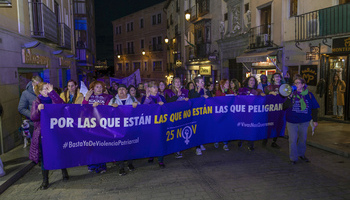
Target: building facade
column 36, row 38
column 85, row 38
column 139, row 44
column 193, row 47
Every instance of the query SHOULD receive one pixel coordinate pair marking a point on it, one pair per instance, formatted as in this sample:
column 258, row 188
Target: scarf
column 301, row 97
column 45, row 100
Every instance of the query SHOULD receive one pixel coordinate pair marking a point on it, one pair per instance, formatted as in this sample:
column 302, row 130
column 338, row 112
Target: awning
column 255, row 56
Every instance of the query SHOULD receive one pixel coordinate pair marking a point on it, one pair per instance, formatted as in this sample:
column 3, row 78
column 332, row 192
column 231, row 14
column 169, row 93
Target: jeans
column 337, row 110
column 297, row 139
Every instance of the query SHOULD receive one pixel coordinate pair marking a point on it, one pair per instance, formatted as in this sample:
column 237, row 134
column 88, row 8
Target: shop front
column 260, row 63
column 209, row 70
column 337, row 64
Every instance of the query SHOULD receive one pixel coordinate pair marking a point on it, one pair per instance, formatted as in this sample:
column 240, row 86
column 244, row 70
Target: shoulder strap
column 132, row 98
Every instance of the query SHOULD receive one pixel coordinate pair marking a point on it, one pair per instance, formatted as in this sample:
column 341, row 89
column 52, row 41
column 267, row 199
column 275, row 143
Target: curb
column 16, row 177
column 329, row 149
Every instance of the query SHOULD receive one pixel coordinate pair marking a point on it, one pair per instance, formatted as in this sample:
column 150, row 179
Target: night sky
column 105, row 12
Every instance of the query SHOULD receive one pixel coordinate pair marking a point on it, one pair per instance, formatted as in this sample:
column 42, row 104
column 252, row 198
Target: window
column 126, row 67
column 5, row 3
column 154, row 20
column 157, row 66
column 127, row 27
column 131, row 26
column 130, row 47
column 137, row 65
column 79, row 8
column 141, row 23
column 145, row 66
column 120, row 29
column 159, row 18
column 120, row 67
column 157, row 43
column 119, row 49
column 293, row 8
column 142, row 44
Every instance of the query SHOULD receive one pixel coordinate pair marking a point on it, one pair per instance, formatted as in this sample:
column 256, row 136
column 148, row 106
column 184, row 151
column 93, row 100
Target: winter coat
column 78, row 100
column 34, row 151
column 340, row 92
column 26, row 100
column 129, row 100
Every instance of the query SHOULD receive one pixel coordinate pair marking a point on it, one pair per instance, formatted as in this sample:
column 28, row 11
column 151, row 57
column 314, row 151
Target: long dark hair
column 237, row 84
column 338, row 81
column 75, row 93
column 246, row 81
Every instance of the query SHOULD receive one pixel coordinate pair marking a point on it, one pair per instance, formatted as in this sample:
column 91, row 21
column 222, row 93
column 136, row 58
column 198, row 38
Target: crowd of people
column 301, row 107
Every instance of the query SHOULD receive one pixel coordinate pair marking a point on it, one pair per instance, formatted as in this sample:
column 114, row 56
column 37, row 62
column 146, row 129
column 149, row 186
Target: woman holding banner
column 276, row 82
column 97, row 96
column 177, row 93
column 223, row 91
column 154, row 98
column 250, row 86
column 72, row 94
column 45, row 95
column 301, row 107
column 234, row 85
column 197, row 92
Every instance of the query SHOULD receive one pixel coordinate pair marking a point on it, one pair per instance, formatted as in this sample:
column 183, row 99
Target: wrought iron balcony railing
column 332, row 21
column 44, row 23
column 260, row 36
column 64, row 36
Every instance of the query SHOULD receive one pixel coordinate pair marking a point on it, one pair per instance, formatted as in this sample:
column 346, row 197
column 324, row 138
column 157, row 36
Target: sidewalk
column 329, row 136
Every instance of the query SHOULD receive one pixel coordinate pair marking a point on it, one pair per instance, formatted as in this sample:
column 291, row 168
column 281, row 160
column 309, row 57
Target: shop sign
column 29, row 58
column 212, row 57
column 205, row 70
column 341, row 45
column 309, row 73
column 64, row 63
column 267, row 63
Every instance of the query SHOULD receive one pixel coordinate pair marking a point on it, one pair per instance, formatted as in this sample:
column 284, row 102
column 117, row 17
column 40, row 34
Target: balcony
column 202, row 50
column 260, row 36
column 44, row 23
column 200, row 9
column 327, row 22
column 64, row 36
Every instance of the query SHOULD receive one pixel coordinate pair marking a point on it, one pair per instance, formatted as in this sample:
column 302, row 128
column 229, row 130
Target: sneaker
column 150, row 160
column 161, row 165
column 275, row 145
column 102, row 171
column 239, row 144
column 131, row 167
column 122, row 172
column 303, row 158
column 226, row 147
column 216, row 145
column 90, row 171
column 202, row 148
column 198, row 152
column 178, row 155
column 251, row 148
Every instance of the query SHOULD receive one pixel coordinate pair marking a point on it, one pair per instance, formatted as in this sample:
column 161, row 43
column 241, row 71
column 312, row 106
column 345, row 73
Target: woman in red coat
column 45, row 95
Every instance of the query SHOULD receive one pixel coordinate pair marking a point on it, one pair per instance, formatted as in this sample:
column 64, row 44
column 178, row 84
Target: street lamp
column 118, row 56
column 166, row 40
column 143, row 52
column 188, row 16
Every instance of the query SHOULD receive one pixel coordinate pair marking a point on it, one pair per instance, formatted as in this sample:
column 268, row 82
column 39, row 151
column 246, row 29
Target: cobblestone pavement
column 265, row 173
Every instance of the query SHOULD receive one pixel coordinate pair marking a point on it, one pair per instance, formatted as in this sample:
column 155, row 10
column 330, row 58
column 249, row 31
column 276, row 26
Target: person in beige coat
column 72, row 95
column 337, row 90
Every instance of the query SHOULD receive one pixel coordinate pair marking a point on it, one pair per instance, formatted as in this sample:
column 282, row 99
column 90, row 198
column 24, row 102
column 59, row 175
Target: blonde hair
column 37, row 79
column 152, row 84
column 39, row 87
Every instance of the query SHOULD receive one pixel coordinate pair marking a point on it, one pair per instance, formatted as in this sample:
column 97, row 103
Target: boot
column 65, row 176
column 45, row 183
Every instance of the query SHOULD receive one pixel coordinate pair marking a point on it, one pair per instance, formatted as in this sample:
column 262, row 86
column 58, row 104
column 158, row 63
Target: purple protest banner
column 75, row 135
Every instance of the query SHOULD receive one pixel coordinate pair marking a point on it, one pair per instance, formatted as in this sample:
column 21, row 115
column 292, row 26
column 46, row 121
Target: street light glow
column 188, row 16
